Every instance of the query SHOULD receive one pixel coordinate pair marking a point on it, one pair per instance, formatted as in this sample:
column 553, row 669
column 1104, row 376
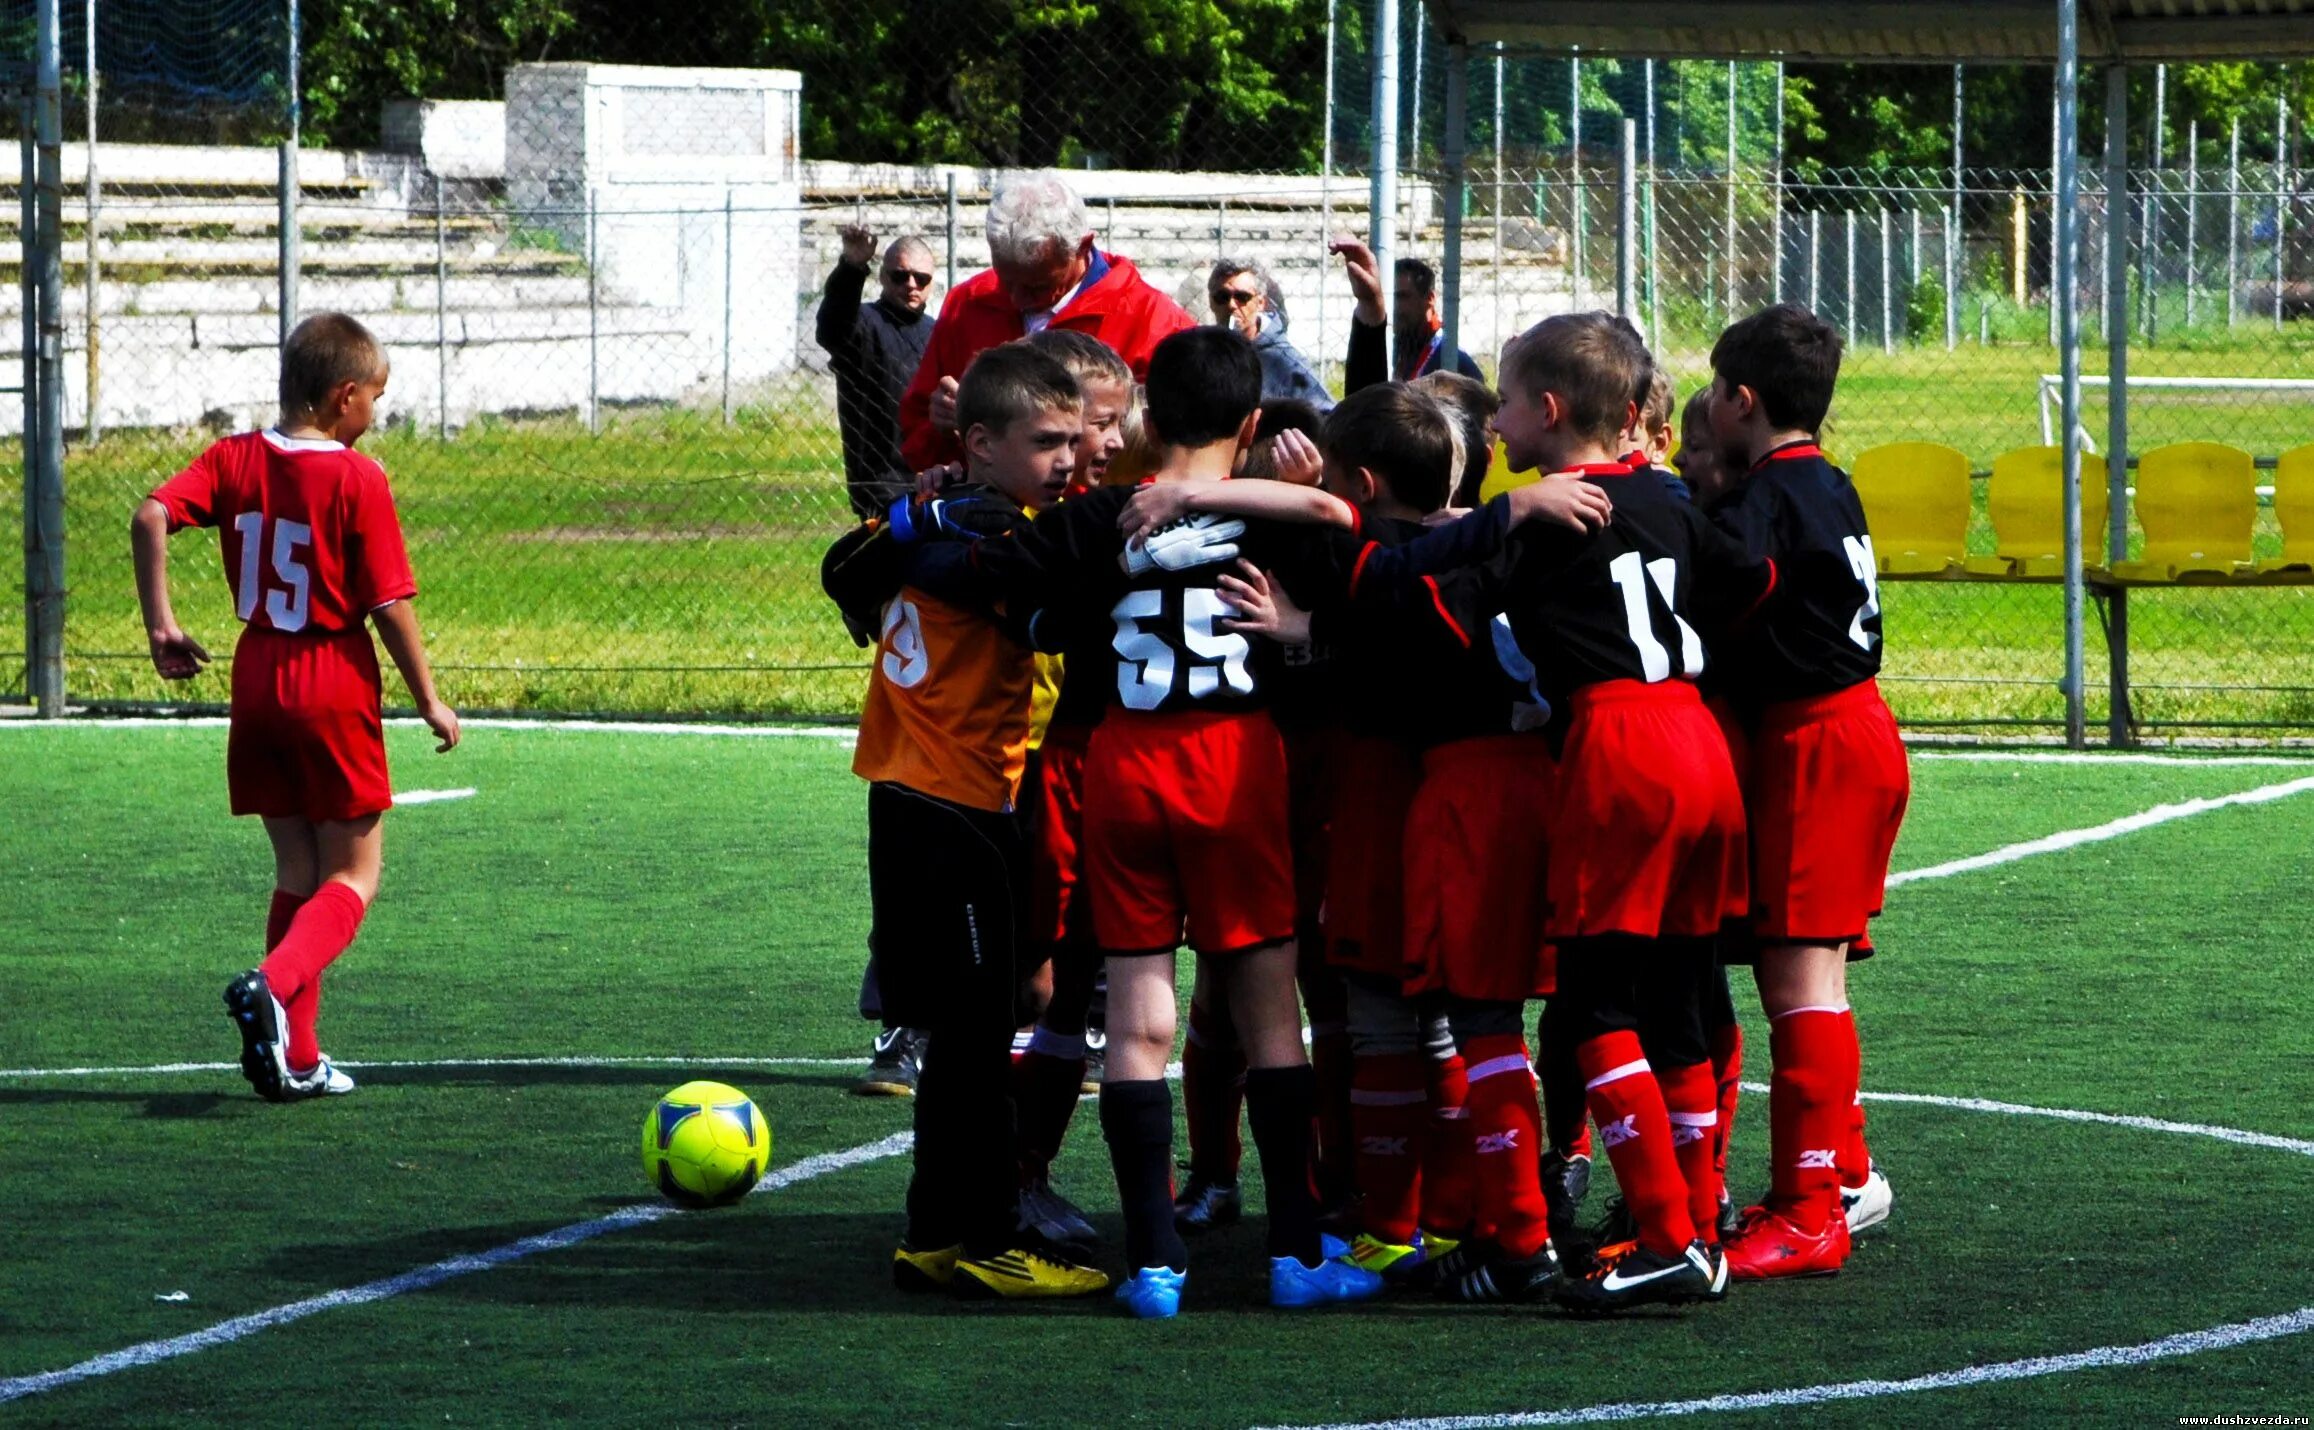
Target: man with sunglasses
column 1244, row 296
column 873, row 349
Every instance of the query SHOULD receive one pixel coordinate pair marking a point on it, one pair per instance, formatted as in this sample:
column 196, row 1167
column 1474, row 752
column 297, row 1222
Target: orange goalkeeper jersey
column 947, row 711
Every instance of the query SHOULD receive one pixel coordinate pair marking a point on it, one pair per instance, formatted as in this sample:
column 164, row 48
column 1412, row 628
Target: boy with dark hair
column 1185, row 824
column 1828, row 782
column 313, row 549
column 942, row 742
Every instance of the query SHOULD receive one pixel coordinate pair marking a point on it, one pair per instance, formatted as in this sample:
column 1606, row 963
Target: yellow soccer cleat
column 933, row 1270
column 1021, row 1275
column 1372, row 1253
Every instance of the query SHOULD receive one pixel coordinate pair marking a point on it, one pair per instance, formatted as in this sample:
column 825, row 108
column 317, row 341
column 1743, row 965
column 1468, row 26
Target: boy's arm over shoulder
column 1732, row 580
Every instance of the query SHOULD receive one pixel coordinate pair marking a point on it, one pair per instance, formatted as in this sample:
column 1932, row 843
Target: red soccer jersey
column 308, row 529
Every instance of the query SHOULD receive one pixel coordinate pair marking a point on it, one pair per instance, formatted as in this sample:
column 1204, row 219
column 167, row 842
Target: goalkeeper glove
column 1193, row 541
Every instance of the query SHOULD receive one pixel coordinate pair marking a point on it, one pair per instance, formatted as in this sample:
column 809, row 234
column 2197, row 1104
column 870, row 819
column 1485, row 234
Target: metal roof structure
column 1888, row 31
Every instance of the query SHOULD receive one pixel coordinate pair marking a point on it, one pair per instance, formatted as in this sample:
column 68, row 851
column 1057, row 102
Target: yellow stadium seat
column 2197, row 502
column 2294, row 508
column 1916, row 499
column 2026, row 500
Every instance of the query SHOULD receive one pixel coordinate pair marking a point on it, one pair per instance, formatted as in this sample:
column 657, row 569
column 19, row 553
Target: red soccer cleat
column 1767, row 1247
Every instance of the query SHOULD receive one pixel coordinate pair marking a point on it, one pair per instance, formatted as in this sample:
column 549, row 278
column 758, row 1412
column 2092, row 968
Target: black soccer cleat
column 264, row 1030
column 1566, row 1182
column 1441, row 1273
column 897, row 1063
column 1055, row 1218
column 1205, row 1205
column 1506, row 1280
column 1616, row 1225
column 1632, row 1275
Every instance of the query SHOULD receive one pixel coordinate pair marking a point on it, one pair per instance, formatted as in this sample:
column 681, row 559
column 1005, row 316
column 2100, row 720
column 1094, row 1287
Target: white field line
column 2096, row 833
column 241, row 1327
column 430, row 796
column 640, row 1060
column 2185, row 1343
column 2236, row 1135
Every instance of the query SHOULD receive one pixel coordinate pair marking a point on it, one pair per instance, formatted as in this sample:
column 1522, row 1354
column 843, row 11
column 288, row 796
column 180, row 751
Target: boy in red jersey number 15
column 312, row 549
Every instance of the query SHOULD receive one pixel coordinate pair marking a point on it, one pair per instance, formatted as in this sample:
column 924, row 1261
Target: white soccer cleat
column 324, row 1079
column 1867, row 1205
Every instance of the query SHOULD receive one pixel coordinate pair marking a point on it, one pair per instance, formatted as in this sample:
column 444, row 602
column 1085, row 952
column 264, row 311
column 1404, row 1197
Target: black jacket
column 873, row 350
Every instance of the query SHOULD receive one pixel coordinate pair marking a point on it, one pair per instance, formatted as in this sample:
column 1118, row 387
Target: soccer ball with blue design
column 705, row 1145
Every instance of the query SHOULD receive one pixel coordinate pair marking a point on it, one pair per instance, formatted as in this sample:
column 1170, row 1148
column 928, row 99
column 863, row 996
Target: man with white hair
column 1045, row 272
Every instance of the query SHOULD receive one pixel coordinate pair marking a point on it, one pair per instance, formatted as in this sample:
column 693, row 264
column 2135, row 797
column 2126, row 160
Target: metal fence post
column 93, row 428
column 1815, row 261
column 44, row 511
column 2149, row 227
column 2066, row 238
column 28, row 300
column 1728, row 243
column 1887, row 287
column 951, row 285
column 728, row 231
column 2233, row 222
column 1626, row 225
column 1954, row 230
column 2281, row 197
column 1578, row 212
column 2193, row 187
column 594, row 316
column 1849, row 298
column 441, row 318
column 1776, row 197
column 1382, row 170
column 1326, row 186
column 2116, row 534
column 1451, row 157
column 290, row 257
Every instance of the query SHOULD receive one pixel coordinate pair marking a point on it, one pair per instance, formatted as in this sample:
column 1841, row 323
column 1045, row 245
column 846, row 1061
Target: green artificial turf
column 625, row 895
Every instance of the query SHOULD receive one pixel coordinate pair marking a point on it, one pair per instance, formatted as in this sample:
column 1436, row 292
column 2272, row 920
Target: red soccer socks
column 1449, row 1188
column 1691, row 1100
column 317, row 932
column 1389, row 1116
column 1811, row 1098
column 1635, row 1125
column 1727, row 1070
column 1507, row 1129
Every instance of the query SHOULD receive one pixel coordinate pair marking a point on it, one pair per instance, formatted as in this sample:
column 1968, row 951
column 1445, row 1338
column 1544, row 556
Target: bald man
column 874, row 349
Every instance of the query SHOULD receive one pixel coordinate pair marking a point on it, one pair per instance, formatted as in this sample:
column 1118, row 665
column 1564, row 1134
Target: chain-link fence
column 613, row 434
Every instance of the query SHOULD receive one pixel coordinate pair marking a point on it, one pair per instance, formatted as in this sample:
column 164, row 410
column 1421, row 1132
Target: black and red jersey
column 1820, row 631
column 1167, row 649
column 1633, row 601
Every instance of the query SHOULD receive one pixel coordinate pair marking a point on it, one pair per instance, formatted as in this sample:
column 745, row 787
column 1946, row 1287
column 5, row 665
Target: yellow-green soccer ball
column 705, row 1145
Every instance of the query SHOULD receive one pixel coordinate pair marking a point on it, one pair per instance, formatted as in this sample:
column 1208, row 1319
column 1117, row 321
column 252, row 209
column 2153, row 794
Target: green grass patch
column 628, row 895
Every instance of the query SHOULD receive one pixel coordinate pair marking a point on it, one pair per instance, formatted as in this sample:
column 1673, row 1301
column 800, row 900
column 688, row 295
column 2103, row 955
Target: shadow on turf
column 742, row 1261
column 157, row 1104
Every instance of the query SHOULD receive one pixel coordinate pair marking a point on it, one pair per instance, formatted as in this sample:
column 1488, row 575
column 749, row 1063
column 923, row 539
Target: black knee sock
column 1137, row 1120
column 1560, row 1075
column 1282, row 1104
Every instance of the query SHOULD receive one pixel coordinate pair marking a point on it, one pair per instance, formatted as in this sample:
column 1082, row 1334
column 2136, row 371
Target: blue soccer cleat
column 1293, row 1285
column 1153, row 1293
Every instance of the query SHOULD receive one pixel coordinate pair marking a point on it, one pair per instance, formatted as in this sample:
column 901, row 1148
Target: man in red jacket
column 1046, row 273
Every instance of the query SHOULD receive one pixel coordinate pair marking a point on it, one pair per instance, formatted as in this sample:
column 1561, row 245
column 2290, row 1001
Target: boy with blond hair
column 313, row 551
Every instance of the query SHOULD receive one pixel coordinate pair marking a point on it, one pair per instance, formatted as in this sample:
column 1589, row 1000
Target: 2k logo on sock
column 1682, row 1134
column 1816, row 1160
column 1620, row 1131
column 1382, row 1146
column 1506, row 1140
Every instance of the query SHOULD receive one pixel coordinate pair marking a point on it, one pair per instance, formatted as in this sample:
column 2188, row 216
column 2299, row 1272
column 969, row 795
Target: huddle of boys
column 1529, row 798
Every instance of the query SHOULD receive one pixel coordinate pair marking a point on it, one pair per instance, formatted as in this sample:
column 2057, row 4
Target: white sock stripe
column 1045, row 1041
column 1377, row 1097
column 1631, row 1068
column 1496, row 1067
column 1695, row 1119
column 1835, row 1009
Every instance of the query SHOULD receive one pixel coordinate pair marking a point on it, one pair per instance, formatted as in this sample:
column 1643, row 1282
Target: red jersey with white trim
column 1820, row 632
column 307, row 526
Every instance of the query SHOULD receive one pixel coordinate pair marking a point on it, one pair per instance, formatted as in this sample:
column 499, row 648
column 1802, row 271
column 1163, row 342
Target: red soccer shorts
column 306, row 740
column 1056, row 894
column 1829, row 786
column 1365, row 910
column 1186, row 833
column 1476, row 841
column 1648, row 838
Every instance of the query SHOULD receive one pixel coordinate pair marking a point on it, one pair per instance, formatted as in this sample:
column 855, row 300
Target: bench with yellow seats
column 2026, row 500
column 1916, row 501
column 2197, row 502
column 2294, row 508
